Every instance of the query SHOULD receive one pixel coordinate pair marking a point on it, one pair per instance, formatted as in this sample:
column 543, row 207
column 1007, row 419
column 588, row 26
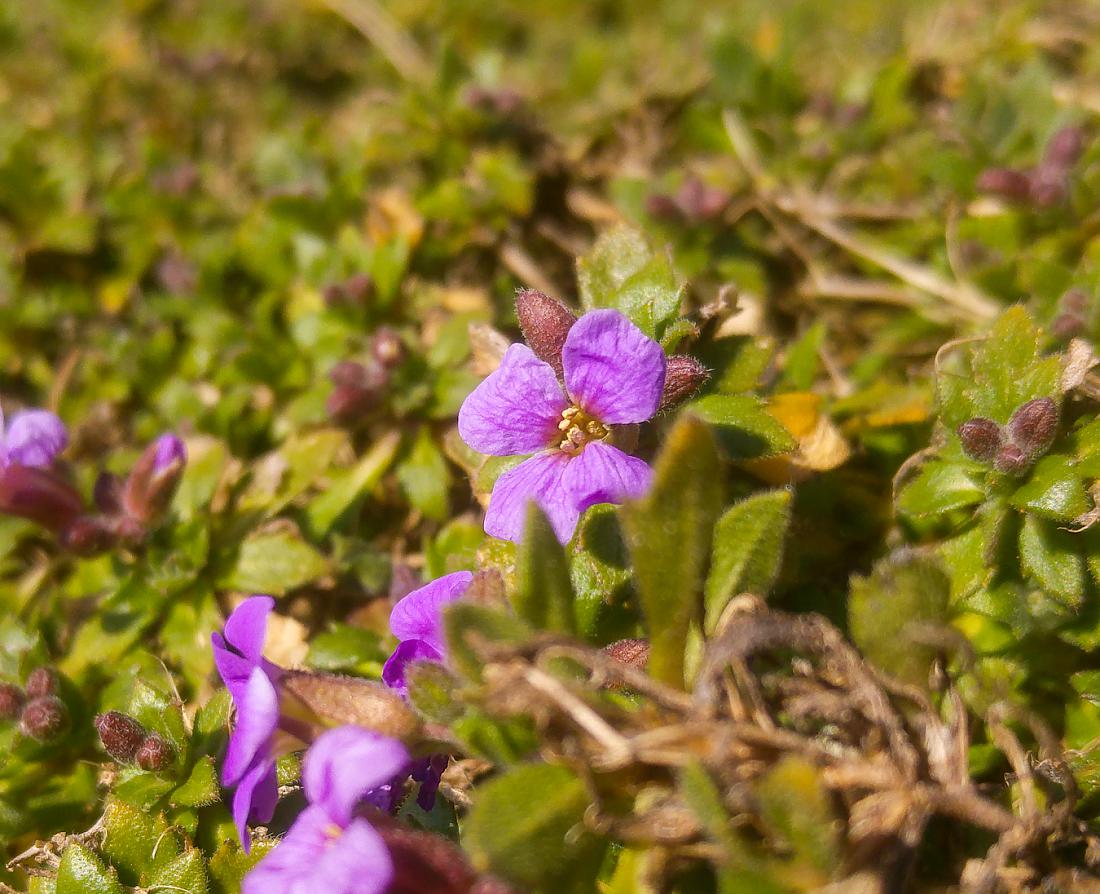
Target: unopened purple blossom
column 613, row 375
column 168, row 450
column 249, row 764
column 31, row 438
column 330, row 848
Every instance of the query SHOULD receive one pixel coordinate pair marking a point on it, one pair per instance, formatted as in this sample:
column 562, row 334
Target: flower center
column 579, row 429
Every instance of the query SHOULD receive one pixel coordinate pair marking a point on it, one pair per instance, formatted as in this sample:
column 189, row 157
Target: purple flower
column 250, row 759
column 32, row 438
column 329, row 849
column 613, row 375
column 417, row 621
column 168, row 450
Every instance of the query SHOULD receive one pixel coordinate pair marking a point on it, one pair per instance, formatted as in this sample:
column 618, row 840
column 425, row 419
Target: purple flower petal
column 540, row 479
column 34, row 438
column 255, row 799
column 318, row 856
column 347, row 762
column 393, row 671
column 429, row 772
column 612, row 370
column 257, row 720
column 604, row 474
column 246, row 627
column 419, row 615
column 169, row 450
column 516, row 409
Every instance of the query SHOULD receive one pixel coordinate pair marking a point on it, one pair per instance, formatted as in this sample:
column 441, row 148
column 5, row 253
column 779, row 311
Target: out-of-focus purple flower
column 613, row 375
column 32, row 438
column 167, row 450
column 249, row 764
column 417, row 621
column 149, row 487
column 329, row 848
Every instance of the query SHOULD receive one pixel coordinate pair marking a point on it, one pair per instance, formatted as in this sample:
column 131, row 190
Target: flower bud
column 545, row 323
column 661, row 205
column 1033, row 426
column 1049, row 186
column 386, row 347
column 12, row 699
column 1011, row 460
column 1064, row 148
column 154, row 753
column 348, row 403
column 1009, row 183
column 120, row 734
column 87, row 536
column 335, row 700
column 42, row 681
column 39, row 495
column 683, row 377
column 152, row 482
column 633, row 652
column 1067, row 326
column 44, row 719
column 981, row 438
column 699, row 202
column 107, row 493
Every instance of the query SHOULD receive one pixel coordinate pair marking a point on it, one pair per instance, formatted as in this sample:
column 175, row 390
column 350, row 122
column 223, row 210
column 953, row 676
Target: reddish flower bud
column 120, row 734
column 152, row 482
column 1033, row 426
column 1064, row 148
column 349, row 372
column 154, row 753
column 1011, row 460
column 545, row 323
column 87, row 536
column 1075, row 301
column 1049, row 186
column 107, row 493
column 12, row 699
column 349, row 403
column 699, row 202
column 661, row 205
column 42, row 681
column 1067, row 326
column 44, row 719
column 683, row 377
column 358, row 287
column 1009, row 183
column 634, row 652
column 387, row 348
column 981, row 438
column 39, row 495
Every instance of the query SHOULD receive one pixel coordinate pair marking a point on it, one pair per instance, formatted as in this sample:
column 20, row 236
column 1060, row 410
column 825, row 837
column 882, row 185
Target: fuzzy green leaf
column 82, row 872
column 275, row 562
column 1054, row 490
column 1050, row 556
column 544, row 594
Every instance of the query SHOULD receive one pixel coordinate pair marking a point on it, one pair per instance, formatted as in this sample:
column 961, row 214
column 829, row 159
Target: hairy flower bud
column 1033, row 426
column 1064, row 148
column 633, row 652
column 545, row 322
column 1011, row 460
column 87, row 536
column 44, row 719
column 981, row 438
column 42, row 681
column 120, row 734
column 1067, row 326
column 154, row 753
column 39, row 495
column 12, row 699
column 152, row 482
column 1009, row 183
column 683, row 377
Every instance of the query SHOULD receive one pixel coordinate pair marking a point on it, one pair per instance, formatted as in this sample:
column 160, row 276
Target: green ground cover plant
column 468, row 448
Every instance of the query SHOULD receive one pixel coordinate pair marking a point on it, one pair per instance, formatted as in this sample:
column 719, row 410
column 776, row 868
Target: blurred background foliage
column 205, row 205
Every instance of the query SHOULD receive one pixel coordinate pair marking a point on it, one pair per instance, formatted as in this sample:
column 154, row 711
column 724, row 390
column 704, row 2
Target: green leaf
column 669, row 535
column 1054, row 490
column 345, row 487
column 796, row 806
column 160, row 713
column 543, row 594
column 187, row 873
column 136, row 842
column 432, row 690
column 424, row 477
column 527, row 825
column 230, row 865
column 82, row 872
column 206, row 460
column 201, row 787
column 1050, row 556
column 745, row 429
column 748, row 547
column 895, row 613
column 348, row 649
column 467, row 622
column 275, row 562
column 940, row 487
